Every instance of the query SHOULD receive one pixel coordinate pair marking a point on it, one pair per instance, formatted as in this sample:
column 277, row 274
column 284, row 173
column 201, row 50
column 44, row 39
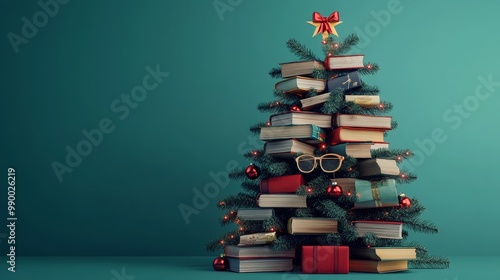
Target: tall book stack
column 322, row 193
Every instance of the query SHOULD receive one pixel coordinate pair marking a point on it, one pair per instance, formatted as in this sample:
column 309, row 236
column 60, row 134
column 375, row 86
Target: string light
column 226, row 217
column 222, row 242
column 403, row 175
column 322, row 146
column 381, row 106
column 237, row 221
column 268, row 123
column 369, row 66
column 222, row 203
column 408, row 153
column 272, row 229
column 295, row 108
column 309, row 190
column 349, row 193
column 323, row 42
column 232, row 236
column 232, row 212
column 329, row 54
column 242, row 228
column 399, row 158
column 336, row 45
column 349, row 169
column 255, row 153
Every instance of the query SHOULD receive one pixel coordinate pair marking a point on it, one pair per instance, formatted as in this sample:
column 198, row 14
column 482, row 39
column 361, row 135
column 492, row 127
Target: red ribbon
column 325, row 26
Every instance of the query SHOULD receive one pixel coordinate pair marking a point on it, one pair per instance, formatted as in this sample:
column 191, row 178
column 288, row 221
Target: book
column 341, row 62
column 296, row 118
column 256, row 252
column 255, row 214
column 355, row 134
column 384, row 253
column 312, row 225
column 288, row 148
column 308, row 133
column 364, row 121
column 357, row 150
column 260, row 238
column 346, row 82
column 377, row 266
column 314, row 101
column 370, row 194
column 382, row 229
column 300, row 68
column 377, row 167
column 364, row 101
column 300, row 85
column 282, row 184
column 282, row 201
column 260, row 264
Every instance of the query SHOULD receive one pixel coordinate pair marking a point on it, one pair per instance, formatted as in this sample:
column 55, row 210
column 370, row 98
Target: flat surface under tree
column 146, row 268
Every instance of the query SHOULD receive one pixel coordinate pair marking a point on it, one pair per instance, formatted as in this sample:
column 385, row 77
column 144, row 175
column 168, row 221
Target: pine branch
column 300, row 50
column 220, row 243
column 275, row 72
column 421, row 226
column 274, row 107
column 429, row 262
column 332, row 47
column 365, row 90
column 286, row 97
column 397, row 154
column 369, row 69
column 334, row 102
column 252, row 187
column 255, row 129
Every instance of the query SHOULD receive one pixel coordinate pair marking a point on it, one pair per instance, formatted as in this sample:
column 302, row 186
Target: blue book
column 308, row 133
column 347, row 82
column 370, row 194
column 357, row 150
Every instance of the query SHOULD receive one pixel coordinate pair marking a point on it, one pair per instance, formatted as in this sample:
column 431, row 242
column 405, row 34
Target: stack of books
column 258, row 259
column 380, row 259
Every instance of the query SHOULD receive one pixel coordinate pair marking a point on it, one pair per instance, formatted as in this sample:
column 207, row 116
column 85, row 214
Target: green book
column 370, row 194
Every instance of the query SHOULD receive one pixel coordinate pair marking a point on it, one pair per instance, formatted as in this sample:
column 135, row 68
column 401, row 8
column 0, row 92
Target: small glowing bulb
column 242, row 228
column 323, row 42
column 226, row 217
column 254, row 153
column 222, row 242
column 399, row 158
column 403, row 175
column 268, row 123
column 323, row 146
column 272, row 229
column 232, row 236
column 369, row 66
column 336, row 45
column 309, row 189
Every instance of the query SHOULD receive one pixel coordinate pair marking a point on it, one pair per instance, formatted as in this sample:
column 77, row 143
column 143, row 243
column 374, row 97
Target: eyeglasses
column 329, row 162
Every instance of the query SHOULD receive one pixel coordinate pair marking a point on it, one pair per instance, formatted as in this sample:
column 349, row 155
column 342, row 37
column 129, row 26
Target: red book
column 325, row 259
column 352, row 134
column 282, row 184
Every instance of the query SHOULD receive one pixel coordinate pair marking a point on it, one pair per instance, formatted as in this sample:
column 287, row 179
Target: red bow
column 325, row 26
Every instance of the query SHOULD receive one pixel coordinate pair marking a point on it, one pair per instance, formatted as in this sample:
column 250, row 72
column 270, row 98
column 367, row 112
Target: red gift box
column 325, row 259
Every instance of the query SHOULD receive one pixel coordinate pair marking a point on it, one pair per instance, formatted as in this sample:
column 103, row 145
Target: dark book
column 384, row 253
column 300, row 85
column 297, row 118
column 377, row 167
column 300, row 68
column 342, row 62
column 351, row 134
column 282, row 201
column 381, row 229
column 370, row 194
column 260, row 264
column 288, row 148
column 347, row 82
column 312, row 225
column 256, row 252
column 377, row 266
column 308, row 133
column 282, row 184
column 255, row 214
column 362, row 121
column 364, row 101
column 357, row 150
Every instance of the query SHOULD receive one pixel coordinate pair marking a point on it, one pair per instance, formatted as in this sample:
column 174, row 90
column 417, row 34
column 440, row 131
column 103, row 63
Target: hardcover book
column 312, row 225
column 282, row 201
column 364, row 101
column 351, row 134
column 377, row 266
column 342, row 62
column 255, row 214
column 373, row 194
column 287, row 148
column 260, row 264
column 347, row 82
column 308, row 133
column 362, row 121
column 260, row 238
column 382, row 229
column 297, row 118
column 300, row 85
column 256, row 252
column 282, row 184
column 357, row 150
column 377, row 167
column 384, row 253
column 314, row 101
column 300, row 68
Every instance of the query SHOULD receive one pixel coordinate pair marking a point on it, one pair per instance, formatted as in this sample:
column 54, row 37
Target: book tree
column 325, row 176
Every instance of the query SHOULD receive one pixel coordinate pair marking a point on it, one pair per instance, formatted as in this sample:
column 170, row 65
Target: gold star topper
column 325, row 25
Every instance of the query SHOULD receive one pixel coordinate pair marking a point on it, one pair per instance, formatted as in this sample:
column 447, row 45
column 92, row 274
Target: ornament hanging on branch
column 325, row 25
column 334, row 190
column 220, row 263
column 404, row 201
column 252, row 171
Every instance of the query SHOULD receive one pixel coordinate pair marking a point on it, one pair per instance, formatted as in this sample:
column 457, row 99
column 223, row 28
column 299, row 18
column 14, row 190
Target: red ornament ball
column 404, row 201
column 252, row 171
column 334, row 190
column 220, row 264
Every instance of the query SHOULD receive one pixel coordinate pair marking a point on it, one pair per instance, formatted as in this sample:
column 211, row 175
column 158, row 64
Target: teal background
column 123, row 199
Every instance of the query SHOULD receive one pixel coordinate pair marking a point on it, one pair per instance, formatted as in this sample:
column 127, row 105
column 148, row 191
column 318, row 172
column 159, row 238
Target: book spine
column 335, row 137
column 282, row 184
column 376, row 194
column 340, row 149
column 257, row 238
